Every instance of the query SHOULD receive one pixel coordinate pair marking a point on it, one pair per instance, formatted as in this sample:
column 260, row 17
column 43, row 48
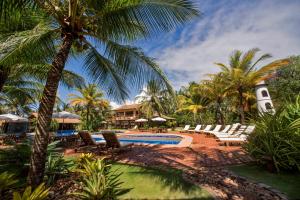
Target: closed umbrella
column 141, row 120
column 158, row 119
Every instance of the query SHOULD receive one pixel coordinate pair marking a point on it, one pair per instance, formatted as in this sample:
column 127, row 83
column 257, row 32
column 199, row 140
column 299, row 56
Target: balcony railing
column 126, row 118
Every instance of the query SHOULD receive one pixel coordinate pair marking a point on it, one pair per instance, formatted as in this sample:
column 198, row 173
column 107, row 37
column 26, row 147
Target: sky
column 189, row 52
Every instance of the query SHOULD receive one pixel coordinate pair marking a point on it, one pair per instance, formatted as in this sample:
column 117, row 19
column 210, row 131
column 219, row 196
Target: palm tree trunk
column 87, row 117
column 241, row 107
column 3, row 77
column 39, row 149
column 219, row 114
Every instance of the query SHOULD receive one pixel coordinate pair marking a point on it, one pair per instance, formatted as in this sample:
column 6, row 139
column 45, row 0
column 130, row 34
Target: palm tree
column 152, row 99
column 110, row 25
column 90, row 99
column 242, row 74
column 192, row 101
column 17, row 65
column 215, row 90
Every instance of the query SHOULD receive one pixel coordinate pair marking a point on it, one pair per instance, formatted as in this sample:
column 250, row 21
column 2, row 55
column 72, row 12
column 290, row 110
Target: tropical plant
column 56, row 167
column 91, row 103
column 285, row 85
column 39, row 193
column 215, row 90
column 20, row 75
column 276, row 140
column 8, row 181
column 192, row 101
column 154, row 99
column 110, row 24
column 241, row 74
column 98, row 181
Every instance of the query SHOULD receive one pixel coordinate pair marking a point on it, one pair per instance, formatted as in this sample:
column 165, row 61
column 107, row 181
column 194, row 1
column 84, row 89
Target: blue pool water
column 145, row 139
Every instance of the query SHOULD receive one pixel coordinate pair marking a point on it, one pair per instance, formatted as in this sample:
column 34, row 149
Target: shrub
column 7, row 182
column 275, row 142
column 98, row 182
column 40, row 193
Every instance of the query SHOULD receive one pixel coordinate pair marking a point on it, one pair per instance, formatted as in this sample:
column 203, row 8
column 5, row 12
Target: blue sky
column 188, row 53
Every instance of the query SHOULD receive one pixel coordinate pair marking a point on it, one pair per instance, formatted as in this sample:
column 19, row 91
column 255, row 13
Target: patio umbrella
column 158, row 119
column 141, row 120
column 13, row 118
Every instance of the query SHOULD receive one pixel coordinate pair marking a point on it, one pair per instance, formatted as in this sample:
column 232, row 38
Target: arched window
column 264, row 93
column 268, row 106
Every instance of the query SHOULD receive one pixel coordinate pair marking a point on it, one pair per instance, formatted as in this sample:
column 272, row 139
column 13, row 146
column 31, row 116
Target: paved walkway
column 203, row 164
column 204, row 152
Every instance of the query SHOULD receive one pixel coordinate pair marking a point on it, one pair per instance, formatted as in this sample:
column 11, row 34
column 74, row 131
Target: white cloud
column 272, row 26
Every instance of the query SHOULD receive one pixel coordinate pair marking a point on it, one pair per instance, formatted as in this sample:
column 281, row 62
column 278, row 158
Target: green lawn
column 150, row 183
column 288, row 183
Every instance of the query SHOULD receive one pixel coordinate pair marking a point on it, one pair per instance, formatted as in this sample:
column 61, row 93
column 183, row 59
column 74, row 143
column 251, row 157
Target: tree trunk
column 39, row 149
column 241, row 107
column 3, row 77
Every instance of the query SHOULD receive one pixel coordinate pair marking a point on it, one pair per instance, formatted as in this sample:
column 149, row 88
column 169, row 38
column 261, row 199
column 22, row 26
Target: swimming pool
column 164, row 139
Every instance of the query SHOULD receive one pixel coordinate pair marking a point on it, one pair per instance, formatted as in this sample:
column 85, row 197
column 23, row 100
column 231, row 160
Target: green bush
column 39, row 193
column 98, row 181
column 7, row 182
column 275, row 142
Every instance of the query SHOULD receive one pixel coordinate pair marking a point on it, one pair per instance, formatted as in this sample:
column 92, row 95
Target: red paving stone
column 204, row 152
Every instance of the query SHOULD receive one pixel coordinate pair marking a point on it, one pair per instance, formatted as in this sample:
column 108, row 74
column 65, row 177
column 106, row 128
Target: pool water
column 144, row 139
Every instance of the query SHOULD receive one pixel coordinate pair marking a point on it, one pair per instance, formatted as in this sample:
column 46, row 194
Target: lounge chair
column 228, row 132
column 216, row 129
column 207, row 128
column 113, row 142
column 232, row 133
column 89, row 141
column 227, row 127
column 239, row 137
column 185, row 129
column 197, row 129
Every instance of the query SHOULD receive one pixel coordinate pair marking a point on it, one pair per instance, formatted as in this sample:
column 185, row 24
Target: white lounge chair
column 240, row 136
column 207, row 128
column 216, row 129
column 197, row 129
column 228, row 132
column 185, row 129
column 227, row 127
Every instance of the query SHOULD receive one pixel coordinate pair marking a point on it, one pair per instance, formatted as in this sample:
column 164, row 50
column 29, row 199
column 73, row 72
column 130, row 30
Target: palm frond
column 38, row 42
column 137, row 18
column 105, row 73
column 136, row 66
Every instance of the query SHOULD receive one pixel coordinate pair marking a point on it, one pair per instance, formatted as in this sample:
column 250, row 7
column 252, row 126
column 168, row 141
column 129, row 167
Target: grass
column 148, row 183
column 287, row 183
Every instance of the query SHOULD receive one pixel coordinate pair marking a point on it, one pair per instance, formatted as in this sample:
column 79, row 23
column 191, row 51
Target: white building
column 263, row 98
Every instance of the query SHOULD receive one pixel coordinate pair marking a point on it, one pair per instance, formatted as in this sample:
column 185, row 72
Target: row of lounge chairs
column 235, row 133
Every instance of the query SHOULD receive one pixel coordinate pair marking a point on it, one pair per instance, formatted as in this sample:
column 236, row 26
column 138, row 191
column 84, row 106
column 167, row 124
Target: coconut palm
column 110, row 25
column 241, row 74
column 90, row 99
column 192, row 101
column 215, row 90
column 152, row 99
column 15, row 64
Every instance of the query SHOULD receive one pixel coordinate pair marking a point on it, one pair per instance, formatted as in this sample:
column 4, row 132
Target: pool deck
column 202, row 151
column 203, row 162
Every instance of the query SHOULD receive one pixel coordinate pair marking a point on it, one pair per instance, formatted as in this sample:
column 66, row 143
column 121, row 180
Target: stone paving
column 204, row 152
column 203, row 164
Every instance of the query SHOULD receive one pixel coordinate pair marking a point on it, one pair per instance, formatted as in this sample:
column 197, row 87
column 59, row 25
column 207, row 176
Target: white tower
column 263, row 98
